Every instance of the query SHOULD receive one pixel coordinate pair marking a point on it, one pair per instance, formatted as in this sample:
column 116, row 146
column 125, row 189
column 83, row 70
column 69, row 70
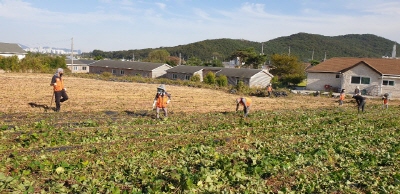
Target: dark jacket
column 359, row 99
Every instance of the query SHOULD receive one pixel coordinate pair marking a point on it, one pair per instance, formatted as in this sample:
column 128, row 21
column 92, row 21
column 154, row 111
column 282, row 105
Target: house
column 120, row 68
column 11, row 49
column 250, row 77
column 374, row 76
column 211, row 69
column 184, row 72
column 79, row 65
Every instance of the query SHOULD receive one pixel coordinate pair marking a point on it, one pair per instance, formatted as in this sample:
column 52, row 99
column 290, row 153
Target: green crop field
column 106, row 140
column 326, row 150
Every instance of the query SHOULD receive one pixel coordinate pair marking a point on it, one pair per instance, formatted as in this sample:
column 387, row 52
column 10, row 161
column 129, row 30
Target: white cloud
column 161, row 5
column 121, row 24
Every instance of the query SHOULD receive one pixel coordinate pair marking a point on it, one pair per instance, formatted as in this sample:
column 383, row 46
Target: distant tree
column 158, row 56
column 241, row 55
column 214, row 63
column 217, row 55
column 97, row 58
column 314, row 62
column 194, row 61
column 288, row 69
column 58, row 62
column 209, row 78
column 249, row 58
column 255, row 61
column 173, row 61
column 9, row 63
column 98, row 53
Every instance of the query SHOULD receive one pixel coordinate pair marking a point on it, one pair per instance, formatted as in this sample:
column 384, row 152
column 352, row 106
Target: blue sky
column 112, row 25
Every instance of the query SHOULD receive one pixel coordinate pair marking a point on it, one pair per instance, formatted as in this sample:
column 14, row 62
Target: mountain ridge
column 303, row 45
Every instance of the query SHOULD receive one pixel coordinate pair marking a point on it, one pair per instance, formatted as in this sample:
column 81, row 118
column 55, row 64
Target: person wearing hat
column 360, row 102
column 269, row 90
column 60, row 93
column 385, row 99
column 342, row 96
column 161, row 100
column 246, row 102
column 357, row 91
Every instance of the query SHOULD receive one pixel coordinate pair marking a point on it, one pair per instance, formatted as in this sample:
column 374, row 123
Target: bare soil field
column 88, row 95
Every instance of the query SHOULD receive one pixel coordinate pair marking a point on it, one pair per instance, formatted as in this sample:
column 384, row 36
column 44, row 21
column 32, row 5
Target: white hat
column 161, row 87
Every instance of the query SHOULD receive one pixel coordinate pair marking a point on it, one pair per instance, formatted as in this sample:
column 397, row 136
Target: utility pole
column 289, row 50
column 262, row 48
column 180, row 59
column 312, row 55
column 394, row 51
column 133, row 56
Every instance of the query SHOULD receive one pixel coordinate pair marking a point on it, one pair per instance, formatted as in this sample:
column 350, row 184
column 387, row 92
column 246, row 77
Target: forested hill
column 304, row 46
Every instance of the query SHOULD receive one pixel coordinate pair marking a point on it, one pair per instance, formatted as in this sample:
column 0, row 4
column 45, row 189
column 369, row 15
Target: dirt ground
column 88, row 95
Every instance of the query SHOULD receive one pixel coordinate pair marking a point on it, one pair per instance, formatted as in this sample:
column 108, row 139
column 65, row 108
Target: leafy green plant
column 298, row 151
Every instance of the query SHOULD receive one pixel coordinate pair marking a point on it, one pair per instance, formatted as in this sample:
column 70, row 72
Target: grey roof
column 11, row 48
column 245, row 73
column 213, row 68
column 80, row 61
column 185, row 69
column 144, row 66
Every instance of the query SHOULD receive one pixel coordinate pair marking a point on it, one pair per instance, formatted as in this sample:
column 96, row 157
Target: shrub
column 240, row 86
column 195, row 78
column 106, row 74
column 222, row 80
column 210, row 78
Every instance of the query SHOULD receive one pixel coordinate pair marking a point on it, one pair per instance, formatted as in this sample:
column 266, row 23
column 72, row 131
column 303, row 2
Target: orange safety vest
column 60, row 84
column 269, row 89
column 342, row 96
column 162, row 101
column 385, row 101
column 248, row 102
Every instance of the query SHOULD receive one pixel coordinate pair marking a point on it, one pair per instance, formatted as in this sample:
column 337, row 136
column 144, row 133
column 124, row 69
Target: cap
column 161, row 87
column 60, row 70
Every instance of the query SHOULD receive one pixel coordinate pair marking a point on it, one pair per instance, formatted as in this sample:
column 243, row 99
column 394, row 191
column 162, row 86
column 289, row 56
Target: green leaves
column 300, row 151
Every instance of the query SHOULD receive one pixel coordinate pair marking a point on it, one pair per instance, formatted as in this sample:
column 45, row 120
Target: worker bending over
column 246, row 102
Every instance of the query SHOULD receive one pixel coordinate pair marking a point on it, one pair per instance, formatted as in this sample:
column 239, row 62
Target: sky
column 116, row 25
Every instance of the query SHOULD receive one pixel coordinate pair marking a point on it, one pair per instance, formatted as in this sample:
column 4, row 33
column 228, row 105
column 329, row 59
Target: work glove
column 54, row 84
column 154, row 105
column 65, row 89
column 168, row 101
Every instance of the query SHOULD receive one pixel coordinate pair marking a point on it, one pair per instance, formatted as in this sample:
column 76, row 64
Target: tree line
column 33, row 62
column 287, row 70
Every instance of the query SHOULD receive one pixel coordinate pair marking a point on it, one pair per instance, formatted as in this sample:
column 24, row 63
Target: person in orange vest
column 246, row 102
column 161, row 100
column 269, row 90
column 60, row 93
column 341, row 97
column 385, row 99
